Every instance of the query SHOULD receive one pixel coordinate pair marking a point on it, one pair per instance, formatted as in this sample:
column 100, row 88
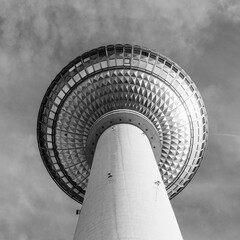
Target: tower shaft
column 126, row 198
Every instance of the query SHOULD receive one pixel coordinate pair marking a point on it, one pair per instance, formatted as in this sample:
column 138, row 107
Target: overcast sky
column 38, row 38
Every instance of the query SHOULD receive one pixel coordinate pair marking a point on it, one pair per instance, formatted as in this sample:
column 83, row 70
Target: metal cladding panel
column 121, row 77
column 126, row 197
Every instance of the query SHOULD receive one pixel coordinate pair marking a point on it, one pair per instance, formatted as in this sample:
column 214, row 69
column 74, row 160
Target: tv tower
column 121, row 130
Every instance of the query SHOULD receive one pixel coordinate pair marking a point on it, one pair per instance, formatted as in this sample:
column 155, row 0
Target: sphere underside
column 127, row 79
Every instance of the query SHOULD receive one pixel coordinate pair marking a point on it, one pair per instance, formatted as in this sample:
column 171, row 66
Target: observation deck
column 121, row 84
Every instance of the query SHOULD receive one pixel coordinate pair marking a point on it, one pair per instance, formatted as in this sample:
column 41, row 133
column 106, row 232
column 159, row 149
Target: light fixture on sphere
column 121, row 130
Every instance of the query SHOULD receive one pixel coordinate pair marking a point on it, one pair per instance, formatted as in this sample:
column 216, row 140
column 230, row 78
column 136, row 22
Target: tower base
column 126, row 198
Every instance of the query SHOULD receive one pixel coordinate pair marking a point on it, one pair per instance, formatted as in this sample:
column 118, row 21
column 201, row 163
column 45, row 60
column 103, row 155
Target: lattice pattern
column 126, row 77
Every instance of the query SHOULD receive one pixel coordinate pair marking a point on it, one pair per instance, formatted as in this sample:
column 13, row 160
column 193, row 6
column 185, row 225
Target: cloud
column 227, row 135
column 74, row 25
column 38, row 38
column 26, row 210
column 230, row 10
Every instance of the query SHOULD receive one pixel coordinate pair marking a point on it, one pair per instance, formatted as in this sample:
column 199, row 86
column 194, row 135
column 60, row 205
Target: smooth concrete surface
column 126, row 198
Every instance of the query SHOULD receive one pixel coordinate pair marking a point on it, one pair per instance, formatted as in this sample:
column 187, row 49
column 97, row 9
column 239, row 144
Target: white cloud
column 26, row 190
column 168, row 26
column 37, row 38
column 230, row 9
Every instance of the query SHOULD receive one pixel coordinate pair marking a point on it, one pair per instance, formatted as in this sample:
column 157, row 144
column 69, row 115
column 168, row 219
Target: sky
column 38, row 38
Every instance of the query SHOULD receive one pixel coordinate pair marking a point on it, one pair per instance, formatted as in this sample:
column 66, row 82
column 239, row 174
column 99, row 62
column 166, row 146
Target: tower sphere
column 121, row 84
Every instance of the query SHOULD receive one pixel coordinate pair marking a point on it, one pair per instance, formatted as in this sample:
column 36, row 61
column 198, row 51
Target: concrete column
column 126, row 198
